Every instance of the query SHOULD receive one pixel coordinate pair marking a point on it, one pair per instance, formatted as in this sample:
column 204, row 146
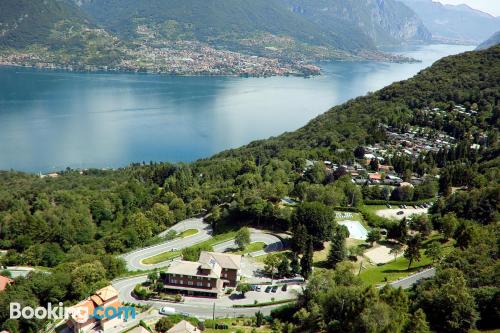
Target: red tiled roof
column 4, row 282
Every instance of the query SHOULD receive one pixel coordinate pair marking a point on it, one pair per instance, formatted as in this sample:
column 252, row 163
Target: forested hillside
column 73, row 224
column 28, row 22
column 221, row 21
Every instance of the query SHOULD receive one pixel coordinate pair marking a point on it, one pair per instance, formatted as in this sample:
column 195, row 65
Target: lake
column 51, row 120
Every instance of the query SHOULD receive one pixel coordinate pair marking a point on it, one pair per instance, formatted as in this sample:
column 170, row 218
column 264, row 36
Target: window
column 190, row 283
column 173, row 281
column 199, row 284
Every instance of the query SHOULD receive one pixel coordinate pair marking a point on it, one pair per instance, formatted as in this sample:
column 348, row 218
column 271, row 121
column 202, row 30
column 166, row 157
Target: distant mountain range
column 492, row 41
column 349, row 27
column 458, row 24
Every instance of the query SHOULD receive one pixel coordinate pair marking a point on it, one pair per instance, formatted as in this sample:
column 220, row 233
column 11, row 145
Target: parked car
column 401, row 212
column 401, row 206
column 268, row 289
column 285, row 287
column 388, row 206
column 167, row 311
column 274, row 289
column 258, row 288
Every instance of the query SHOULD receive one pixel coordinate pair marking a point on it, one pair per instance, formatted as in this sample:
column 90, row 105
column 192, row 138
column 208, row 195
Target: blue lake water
column 52, row 120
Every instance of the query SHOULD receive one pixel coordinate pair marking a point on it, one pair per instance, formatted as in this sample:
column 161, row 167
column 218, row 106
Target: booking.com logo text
column 79, row 314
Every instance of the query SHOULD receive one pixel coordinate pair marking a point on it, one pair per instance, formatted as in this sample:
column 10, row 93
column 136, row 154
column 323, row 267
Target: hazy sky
column 489, row 6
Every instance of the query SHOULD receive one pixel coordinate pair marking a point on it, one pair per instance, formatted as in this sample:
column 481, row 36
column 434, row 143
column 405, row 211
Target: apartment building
column 207, row 277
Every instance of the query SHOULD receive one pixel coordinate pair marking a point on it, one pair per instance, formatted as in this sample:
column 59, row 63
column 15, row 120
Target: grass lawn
column 187, row 233
column 374, row 208
column 253, row 247
column 399, row 268
column 169, row 255
column 262, row 258
column 161, row 257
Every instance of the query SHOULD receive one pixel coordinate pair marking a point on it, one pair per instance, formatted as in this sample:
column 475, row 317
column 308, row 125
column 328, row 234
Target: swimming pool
column 356, row 229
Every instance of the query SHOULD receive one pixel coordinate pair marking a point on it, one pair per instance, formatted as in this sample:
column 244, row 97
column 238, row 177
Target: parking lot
column 400, row 213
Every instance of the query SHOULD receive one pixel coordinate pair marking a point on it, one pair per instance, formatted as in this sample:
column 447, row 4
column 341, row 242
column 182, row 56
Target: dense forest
column 74, row 225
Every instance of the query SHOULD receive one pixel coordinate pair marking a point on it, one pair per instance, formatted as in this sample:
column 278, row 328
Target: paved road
column 200, row 308
column 134, row 258
column 272, row 242
column 411, row 280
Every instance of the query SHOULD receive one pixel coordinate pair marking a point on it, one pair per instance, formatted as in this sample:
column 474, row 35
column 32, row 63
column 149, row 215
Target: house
column 375, row 178
column 4, row 282
column 183, row 327
column 230, row 264
column 208, row 277
column 104, row 298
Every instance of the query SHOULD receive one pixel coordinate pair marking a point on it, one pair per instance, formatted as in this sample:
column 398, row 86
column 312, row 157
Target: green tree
column 163, row 325
column 306, row 262
column 434, row 251
column 412, row 252
column 318, row 220
column 284, row 267
column 337, row 252
column 259, row 319
column 447, row 302
column 243, row 288
column 295, row 264
column 418, row 323
column 449, row 223
column 373, row 236
column 299, row 238
column 242, row 238
column 271, row 263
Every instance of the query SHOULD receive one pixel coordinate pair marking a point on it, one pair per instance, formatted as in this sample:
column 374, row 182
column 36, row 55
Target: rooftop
column 225, row 260
column 191, row 268
column 183, row 327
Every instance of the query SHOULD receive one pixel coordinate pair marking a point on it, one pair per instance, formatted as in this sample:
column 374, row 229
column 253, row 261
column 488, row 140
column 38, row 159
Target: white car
column 167, row 311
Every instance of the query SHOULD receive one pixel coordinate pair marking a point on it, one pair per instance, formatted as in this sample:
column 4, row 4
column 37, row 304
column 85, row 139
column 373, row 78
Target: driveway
column 134, row 259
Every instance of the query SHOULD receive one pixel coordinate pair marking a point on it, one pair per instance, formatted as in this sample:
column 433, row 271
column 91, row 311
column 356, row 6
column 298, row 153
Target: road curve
column 273, row 243
column 134, row 259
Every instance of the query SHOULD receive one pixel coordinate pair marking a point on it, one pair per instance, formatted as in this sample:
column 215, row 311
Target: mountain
column 128, row 34
column 465, row 78
column 492, row 41
column 219, row 21
column 455, row 23
column 384, row 21
column 26, row 22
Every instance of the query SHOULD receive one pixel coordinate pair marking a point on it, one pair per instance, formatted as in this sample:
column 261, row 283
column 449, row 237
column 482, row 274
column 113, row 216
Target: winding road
column 135, row 259
column 205, row 308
